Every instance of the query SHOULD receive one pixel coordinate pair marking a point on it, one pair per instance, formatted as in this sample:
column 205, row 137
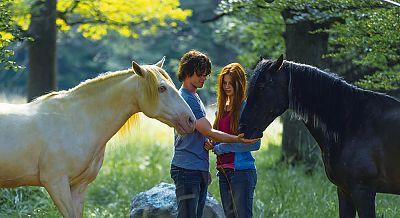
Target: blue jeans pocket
column 252, row 176
column 175, row 173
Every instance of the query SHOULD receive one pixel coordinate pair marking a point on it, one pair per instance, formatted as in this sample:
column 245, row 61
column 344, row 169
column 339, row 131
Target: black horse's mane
column 326, row 100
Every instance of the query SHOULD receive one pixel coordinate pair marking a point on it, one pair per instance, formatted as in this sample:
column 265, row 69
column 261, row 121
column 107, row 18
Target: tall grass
column 142, row 160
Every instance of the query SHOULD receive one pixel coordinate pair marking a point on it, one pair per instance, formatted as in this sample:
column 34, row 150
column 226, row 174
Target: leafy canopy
column 94, row 19
column 365, row 33
column 8, row 34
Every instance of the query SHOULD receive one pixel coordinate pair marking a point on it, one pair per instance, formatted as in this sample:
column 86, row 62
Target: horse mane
column 148, row 84
column 85, row 84
column 151, row 88
column 325, row 99
column 48, row 95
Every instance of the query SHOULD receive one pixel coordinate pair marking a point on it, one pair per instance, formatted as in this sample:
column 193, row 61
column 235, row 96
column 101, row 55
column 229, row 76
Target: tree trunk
column 307, row 48
column 42, row 50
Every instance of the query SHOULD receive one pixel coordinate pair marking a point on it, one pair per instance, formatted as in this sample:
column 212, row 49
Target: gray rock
column 160, row 202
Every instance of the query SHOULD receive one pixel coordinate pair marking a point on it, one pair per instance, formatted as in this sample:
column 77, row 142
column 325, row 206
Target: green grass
column 142, row 161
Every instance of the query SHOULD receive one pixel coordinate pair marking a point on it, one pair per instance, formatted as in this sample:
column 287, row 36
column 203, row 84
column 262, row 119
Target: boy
column 190, row 163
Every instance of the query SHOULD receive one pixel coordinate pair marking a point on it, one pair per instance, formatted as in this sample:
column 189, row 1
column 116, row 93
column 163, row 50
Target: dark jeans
column 191, row 191
column 237, row 192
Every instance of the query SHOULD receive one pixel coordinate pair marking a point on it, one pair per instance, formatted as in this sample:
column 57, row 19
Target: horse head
column 267, row 97
column 161, row 100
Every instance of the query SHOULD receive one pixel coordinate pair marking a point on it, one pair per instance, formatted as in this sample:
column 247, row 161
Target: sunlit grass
column 142, row 160
column 13, row 99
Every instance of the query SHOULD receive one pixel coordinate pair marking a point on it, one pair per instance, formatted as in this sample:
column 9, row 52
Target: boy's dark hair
column 193, row 62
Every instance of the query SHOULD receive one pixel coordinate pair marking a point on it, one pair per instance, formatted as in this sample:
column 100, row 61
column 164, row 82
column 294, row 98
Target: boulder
column 160, row 202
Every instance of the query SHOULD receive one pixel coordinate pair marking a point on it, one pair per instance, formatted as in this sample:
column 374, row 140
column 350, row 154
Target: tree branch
column 392, row 2
column 75, row 5
column 215, row 18
column 218, row 16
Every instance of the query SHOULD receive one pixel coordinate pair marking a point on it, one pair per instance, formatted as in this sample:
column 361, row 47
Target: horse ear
column 137, row 68
column 278, row 63
column 160, row 63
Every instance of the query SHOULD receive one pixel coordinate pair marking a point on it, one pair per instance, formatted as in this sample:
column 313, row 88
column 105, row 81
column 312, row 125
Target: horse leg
column 364, row 201
column 346, row 206
column 60, row 192
column 78, row 194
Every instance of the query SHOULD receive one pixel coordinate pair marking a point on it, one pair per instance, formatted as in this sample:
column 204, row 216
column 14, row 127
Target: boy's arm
column 205, row 128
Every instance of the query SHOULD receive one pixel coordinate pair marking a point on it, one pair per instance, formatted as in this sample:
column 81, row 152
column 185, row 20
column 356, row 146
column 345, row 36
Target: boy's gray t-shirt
column 189, row 152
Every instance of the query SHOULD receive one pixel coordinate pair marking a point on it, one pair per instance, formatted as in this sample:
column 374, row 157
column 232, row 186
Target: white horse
column 58, row 140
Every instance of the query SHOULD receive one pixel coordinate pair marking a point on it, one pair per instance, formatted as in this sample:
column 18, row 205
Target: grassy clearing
column 141, row 161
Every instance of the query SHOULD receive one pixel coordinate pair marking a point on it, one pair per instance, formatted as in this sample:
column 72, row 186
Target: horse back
column 385, row 118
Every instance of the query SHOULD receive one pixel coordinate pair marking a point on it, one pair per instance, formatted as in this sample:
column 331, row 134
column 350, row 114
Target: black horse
column 358, row 131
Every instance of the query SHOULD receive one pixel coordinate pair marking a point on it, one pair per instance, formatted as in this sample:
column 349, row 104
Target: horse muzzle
column 250, row 133
column 185, row 124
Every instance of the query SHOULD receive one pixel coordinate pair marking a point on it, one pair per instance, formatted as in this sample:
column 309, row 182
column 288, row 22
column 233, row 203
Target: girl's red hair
column 238, row 75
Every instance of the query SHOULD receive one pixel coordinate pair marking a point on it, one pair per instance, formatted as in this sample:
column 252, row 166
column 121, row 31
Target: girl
column 237, row 173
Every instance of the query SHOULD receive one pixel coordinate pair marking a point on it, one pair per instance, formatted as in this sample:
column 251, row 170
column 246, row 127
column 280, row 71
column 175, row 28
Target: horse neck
column 106, row 105
column 310, row 96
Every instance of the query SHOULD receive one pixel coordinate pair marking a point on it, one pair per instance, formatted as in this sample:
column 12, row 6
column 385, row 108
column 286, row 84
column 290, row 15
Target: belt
column 221, row 170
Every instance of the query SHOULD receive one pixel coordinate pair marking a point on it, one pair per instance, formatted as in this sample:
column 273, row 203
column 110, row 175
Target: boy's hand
column 208, row 145
column 241, row 139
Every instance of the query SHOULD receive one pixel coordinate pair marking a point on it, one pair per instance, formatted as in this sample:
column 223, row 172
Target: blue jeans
column 237, row 192
column 191, row 191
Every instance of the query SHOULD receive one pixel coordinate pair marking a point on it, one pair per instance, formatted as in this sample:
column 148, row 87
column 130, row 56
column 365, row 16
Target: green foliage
column 386, row 80
column 8, row 34
column 24, row 201
column 370, row 37
column 363, row 33
column 94, row 19
column 252, row 31
column 79, row 58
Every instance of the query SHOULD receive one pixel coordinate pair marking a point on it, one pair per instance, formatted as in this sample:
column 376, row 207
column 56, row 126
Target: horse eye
column 162, row 89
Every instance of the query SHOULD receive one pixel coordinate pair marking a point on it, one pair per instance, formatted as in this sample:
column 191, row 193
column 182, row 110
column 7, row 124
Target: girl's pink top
column 225, row 160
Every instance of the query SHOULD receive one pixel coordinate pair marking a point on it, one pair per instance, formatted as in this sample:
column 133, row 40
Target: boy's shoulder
column 189, row 96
